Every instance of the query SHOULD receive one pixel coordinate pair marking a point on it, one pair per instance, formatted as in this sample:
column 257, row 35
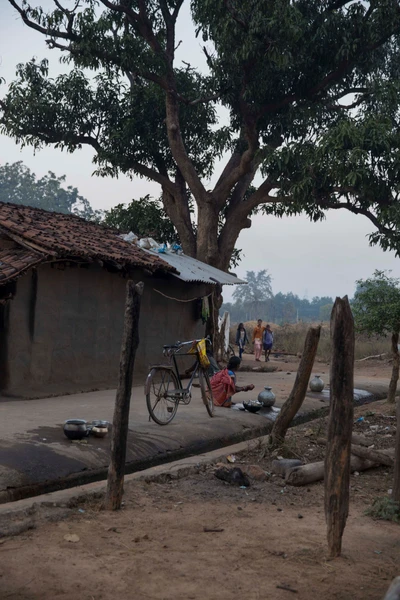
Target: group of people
column 263, row 339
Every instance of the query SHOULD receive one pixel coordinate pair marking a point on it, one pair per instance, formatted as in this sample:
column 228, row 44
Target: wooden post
column 393, row 592
column 395, row 369
column 338, row 449
column 298, row 393
column 130, row 342
column 396, row 484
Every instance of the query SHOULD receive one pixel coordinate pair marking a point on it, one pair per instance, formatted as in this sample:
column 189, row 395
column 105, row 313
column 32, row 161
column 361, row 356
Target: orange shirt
column 258, row 332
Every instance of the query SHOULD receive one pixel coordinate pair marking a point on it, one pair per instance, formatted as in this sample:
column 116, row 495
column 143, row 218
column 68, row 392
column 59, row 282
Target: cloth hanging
column 205, row 309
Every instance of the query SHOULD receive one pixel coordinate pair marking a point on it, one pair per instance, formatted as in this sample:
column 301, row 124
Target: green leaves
column 19, row 185
column 376, row 305
column 144, row 217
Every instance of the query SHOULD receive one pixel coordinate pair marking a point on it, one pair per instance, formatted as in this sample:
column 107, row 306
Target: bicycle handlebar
column 179, row 345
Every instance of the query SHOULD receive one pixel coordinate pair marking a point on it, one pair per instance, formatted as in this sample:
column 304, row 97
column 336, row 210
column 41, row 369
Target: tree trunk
column 212, row 328
column 381, row 457
column 297, row 395
column 130, row 342
column 316, row 471
column 396, row 485
column 337, row 459
column 395, row 368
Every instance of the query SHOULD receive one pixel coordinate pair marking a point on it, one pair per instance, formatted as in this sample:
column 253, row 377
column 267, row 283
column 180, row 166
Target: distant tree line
column 257, row 301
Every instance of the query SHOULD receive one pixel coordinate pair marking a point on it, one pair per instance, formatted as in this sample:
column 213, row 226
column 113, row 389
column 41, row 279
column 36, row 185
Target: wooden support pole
column 340, row 425
column 130, row 342
column 393, row 592
column 298, row 393
column 396, row 484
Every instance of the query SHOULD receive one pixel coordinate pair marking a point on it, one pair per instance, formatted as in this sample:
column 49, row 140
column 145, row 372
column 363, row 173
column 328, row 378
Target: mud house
column 62, row 294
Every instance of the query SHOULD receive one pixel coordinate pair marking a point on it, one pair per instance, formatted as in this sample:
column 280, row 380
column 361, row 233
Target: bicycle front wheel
column 206, row 391
column 161, row 403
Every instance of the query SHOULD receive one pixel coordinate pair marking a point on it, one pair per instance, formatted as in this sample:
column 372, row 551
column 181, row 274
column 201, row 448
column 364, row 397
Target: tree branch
column 45, row 31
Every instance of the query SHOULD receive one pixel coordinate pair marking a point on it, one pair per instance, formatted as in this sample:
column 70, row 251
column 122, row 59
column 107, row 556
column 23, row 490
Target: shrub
column 385, row 509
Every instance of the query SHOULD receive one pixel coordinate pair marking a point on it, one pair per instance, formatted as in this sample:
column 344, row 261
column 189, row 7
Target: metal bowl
column 100, row 424
column 252, row 406
column 99, row 432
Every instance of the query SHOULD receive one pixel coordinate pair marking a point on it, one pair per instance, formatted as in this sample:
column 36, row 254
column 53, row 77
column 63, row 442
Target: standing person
column 258, row 339
column 268, row 340
column 241, row 339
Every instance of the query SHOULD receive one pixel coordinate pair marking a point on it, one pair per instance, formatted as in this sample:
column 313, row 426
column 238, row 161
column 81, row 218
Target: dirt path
column 271, row 537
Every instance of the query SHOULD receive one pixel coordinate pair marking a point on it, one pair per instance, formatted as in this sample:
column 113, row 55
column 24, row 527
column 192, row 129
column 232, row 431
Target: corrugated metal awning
column 191, row 269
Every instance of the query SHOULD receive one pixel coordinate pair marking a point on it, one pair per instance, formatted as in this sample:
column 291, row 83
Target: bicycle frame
column 171, row 353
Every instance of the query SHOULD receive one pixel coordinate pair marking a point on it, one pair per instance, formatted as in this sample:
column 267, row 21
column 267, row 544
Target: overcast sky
column 309, row 259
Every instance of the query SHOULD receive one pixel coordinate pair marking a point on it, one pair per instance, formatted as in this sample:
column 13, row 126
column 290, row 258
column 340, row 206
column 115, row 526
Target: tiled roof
column 14, row 261
column 45, row 234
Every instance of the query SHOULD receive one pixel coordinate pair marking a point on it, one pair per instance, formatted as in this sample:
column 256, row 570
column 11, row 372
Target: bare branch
column 121, row 8
column 45, row 31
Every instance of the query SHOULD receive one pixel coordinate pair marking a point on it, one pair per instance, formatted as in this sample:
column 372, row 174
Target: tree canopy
column 310, row 89
column 253, row 296
column 376, row 309
column 257, row 301
column 144, row 217
column 19, row 185
column 376, row 305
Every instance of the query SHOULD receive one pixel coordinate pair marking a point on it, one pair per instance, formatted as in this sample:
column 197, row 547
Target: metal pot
column 316, row 384
column 266, row 397
column 75, row 429
column 99, row 432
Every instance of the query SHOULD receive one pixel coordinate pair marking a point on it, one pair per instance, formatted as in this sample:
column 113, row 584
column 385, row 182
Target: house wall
column 61, row 333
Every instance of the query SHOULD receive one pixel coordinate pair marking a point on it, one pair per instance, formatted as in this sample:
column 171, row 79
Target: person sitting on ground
column 223, row 384
column 241, row 338
column 268, row 340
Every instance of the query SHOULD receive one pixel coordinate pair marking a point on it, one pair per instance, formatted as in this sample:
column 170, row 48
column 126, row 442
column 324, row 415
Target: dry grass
column 290, row 338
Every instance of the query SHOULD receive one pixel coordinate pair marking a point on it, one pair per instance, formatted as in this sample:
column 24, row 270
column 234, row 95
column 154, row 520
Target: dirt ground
column 267, row 541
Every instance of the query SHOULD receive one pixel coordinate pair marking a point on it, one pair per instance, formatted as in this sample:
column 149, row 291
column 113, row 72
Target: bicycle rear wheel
column 161, row 406
column 206, row 391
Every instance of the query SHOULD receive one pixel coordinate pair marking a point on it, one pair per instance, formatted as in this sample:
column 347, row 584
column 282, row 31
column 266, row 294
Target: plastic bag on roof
column 153, row 243
column 144, row 243
column 129, row 237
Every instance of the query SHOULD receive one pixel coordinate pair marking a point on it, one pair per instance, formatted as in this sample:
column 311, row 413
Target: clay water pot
column 266, row 397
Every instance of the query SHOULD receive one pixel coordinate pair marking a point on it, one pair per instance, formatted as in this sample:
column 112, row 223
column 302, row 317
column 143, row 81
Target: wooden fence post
column 297, row 395
column 337, row 458
column 130, row 342
column 396, row 484
column 393, row 592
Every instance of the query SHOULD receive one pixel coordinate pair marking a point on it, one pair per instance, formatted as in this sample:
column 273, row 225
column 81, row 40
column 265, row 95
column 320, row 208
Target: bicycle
column 164, row 390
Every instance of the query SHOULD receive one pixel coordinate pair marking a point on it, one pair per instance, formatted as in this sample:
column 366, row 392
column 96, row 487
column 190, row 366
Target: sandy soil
column 268, row 540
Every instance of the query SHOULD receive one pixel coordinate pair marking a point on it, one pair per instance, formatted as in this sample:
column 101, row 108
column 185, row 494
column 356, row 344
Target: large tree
column 19, row 185
column 286, row 74
column 253, row 297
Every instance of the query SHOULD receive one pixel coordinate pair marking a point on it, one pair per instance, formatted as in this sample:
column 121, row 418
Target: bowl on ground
column 252, row 406
column 99, row 432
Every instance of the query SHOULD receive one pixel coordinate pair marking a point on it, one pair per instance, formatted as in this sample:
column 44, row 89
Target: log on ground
column 315, row 471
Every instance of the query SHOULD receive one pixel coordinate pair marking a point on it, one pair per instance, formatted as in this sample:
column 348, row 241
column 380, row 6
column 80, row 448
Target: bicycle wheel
column 206, row 391
column 162, row 407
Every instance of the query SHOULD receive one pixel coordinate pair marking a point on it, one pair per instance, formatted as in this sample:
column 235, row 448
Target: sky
column 308, row 259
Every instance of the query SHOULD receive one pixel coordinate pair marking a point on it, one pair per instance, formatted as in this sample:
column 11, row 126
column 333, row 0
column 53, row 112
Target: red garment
column 223, row 387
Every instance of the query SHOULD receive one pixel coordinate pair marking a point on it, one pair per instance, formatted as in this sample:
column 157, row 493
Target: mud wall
column 61, row 333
